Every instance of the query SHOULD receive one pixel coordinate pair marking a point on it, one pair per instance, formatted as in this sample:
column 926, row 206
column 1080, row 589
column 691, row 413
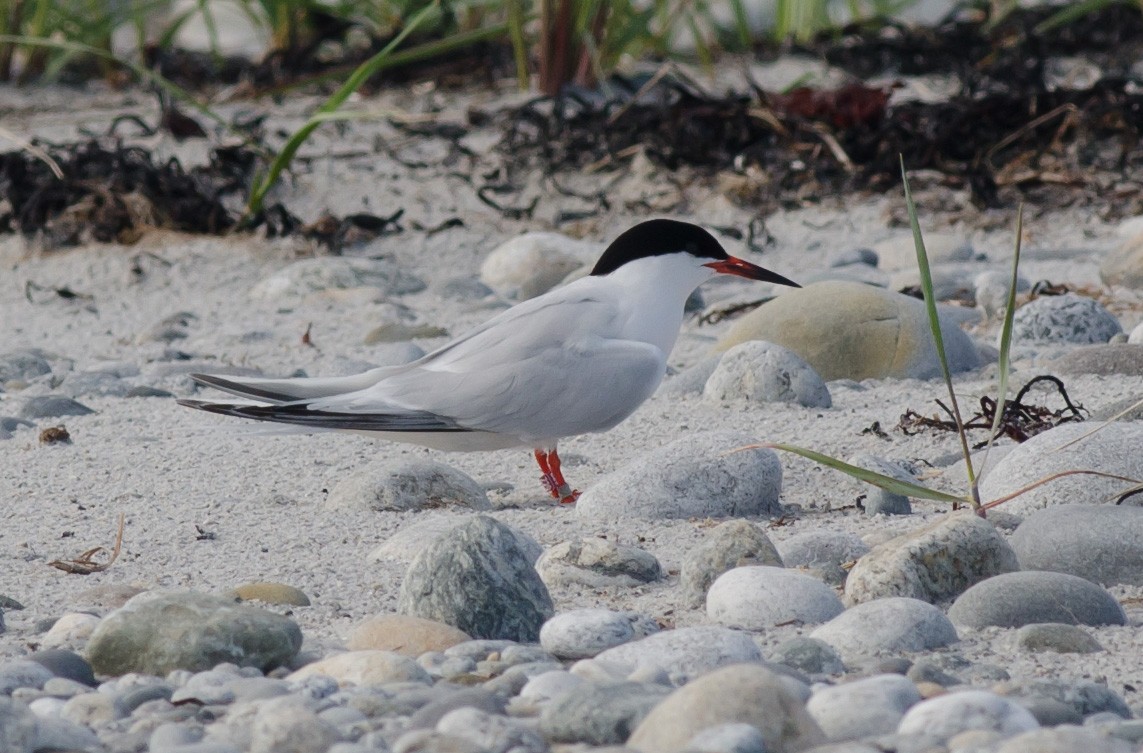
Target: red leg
column 553, row 478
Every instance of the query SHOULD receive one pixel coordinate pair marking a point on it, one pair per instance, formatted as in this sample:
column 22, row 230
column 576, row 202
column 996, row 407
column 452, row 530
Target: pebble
column 938, row 561
column 93, row 709
column 107, row 596
column 492, row 732
column 865, row 333
column 534, row 263
column 1085, row 697
column 550, row 685
column 411, row 636
column 22, row 673
column 764, row 372
column 1104, row 360
column 693, row 476
column 901, row 252
column 862, row 708
column 477, row 578
column 398, row 485
column 1100, row 543
column 9, row 424
column 600, row 713
column 1124, row 409
column 743, row 693
column 734, row 543
column 65, row 664
column 52, row 406
column 823, row 553
column 809, row 655
column 160, row 631
column 72, row 630
column 734, row 737
column 1065, row 740
column 950, row 282
column 415, row 537
column 598, row 563
column 889, row 625
column 759, row 597
column 365, row 668
column 686, row 651
column 584, row 633
column 93, row 383
column 1136, row 336
column 1124, row 265
column 24, row 365
column 301, row 278
column 1111, row 449
column 947, row 715
column 1057, row 637
column 1067, row 318
column 1026, row 597
column 289, row 725
column 878, row 501
column 271, row 593
column 427, row 716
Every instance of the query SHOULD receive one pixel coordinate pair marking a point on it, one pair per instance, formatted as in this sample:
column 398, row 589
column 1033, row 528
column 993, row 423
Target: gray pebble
column 823, row 552
column 1022, row 598
column 862, row 708
column 887, row 625
column 427, row 716
column 764, row 372
column 924, row 670
column 407, row 485
column 597, row 563
column 689, row 651
column 23, row 365
column 495, row 733
column 1067, row 318
column 760, row 597
column 728, row 545
column 1055, row 637
column 947, row 715
column 52, row 406
column 600, row 713
column 584, row 633
column 692, row 380
column 809, row 655
column 22, row 673
column 63, row 663
column 1100, row 543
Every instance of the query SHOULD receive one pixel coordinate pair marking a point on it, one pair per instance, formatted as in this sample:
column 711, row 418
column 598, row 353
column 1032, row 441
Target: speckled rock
column 411, row 636
column 412, row 539
column 1067, row 318
column 1111, row 449
column 735, row 543
column 477, row 578
column 407, row 485
column 160, row 631
column 809, row 655
column 597, row 563
column 890, row 625
column 760, row 597
column 1100, row 543
column 1026, row 597
column 694, row 476
column 878, row 501
column 764, row 372
column 864, row 333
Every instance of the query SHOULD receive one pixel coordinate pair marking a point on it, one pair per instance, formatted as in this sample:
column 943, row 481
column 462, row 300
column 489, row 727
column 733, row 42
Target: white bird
column 577, row 359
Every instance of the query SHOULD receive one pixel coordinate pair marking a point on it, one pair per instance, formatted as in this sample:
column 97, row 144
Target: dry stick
column 1053, row 477
column 84, row 565
column 33, row 150
column 1102, row 426
column 645, row 88
column 1030, row 125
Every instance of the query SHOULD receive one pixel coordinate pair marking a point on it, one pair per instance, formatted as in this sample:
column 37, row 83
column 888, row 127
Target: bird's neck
column 654, row 294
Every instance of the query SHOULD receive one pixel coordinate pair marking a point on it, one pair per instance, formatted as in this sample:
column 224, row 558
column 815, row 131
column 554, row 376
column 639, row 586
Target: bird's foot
column 553, row 478
column 567, row 495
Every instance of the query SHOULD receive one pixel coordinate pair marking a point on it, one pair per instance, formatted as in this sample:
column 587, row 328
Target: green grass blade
column 935, row 326
column 1071, row 13
column 1005, row 363
column 516, row 20
column 359, row 76
column 888, row 483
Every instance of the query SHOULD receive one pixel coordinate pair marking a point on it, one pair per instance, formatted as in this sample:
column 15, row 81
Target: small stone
column 107, row 596
column 1125, row 409
column 991, row 291
column 288, row 725
column 427, row 716
column 1050, row 712
column 759, row 597
column 327, row 272
column 1026, row 597
column 951, row 714
column 694, row 476
column 411, row 636
column 549, row 686
column 1085, row 697
column 477, row 578
column 823, row 552
column 862, row 708
column 691, row 380
column 272, row 593
column 928, row 672
column 936, row 562
column 1067, row 318
column 93, row 709
column 745, row 693
column 97, row 383
column 17, row 727
column 584, row 633
column 688, row 651
column 878, row 501
column 597, row 563
column 764, row 372
column 408, row 485
column 60, row 734
column 492, row 732
column 157, row 632
column 65, row 664
column 534, row 263
column 809, row 655
column 23, row 365
column 889, row 625
column 72, row 630
column 735, row 543
column 600, row 713
column 52, row 406
column 22, row 673
column 1055, row 637
column 1105, row 447
column 365, row 668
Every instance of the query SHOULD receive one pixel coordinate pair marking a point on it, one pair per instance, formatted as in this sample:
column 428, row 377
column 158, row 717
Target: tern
column 576, row 360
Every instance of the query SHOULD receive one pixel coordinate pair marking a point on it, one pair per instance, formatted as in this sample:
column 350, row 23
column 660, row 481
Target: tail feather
column 281, row 391
column 299, row 414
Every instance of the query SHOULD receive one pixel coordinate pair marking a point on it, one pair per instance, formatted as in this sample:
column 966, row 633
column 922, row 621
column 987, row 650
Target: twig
column 84, row 564
column 33, row 150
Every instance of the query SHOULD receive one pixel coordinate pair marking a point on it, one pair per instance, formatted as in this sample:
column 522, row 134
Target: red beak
column 732, row 265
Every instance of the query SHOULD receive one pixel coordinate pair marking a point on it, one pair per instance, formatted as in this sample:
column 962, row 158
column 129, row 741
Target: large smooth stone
column 371, row 667
column 478, row 578
column 947, row 715
column 600, row 713
column 936, row 562
column 157, row 632
column 892, row 625
column 411, row 636
column 1114, row 448
column 746, row 693
column 863, row 332
column 823, row 552
column 1027, row 597
column 696, row 476
column 863, row 708
column 1100, row 543
column 759, row 597
column 597, row 563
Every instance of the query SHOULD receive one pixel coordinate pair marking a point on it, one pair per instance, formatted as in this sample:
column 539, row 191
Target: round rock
column 1026, row 597
column 948, row 715
column 879, row 501
column 1065, row 740
column 809, row 655
column 889, row 625
column 941, row 248
column 1067, row 318
column 822, row 552
column 408, row 485
column 694, row 476
column 160, row 631
column 598, row 563
column 936, row 562
column 23, row 365
column 735, row 543
column 734, row 737
column 862, row 708
column 1056, row 638
column 600, row 713
column 742, row 693
column 763, row 372
column 864, row 332
column 584, row 633
column 534, row 263
column 365, row 668
column 1100, row 543
column 689, row 651
column 477, row 578
column 411, row 636
column 759, row 597
column 1111, row 449
column 52, row 406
